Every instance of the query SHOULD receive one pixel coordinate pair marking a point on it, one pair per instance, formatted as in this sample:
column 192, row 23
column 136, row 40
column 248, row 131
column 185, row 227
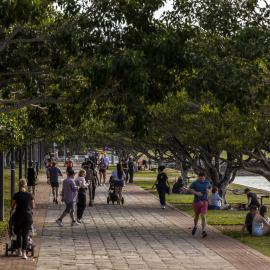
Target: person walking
column 23, row 203
column 54, row 173
column 118, row 177
column 69, row 196
column 81, row 201
column 89, row 177
column 200, row 189
column 162, row 185
column 130, row 170
column 69, row 164
column 31, row 178
column 93, row 182
column 102, row 171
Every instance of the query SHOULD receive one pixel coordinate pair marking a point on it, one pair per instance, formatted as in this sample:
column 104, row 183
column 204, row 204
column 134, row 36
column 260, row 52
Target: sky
column 166, row 7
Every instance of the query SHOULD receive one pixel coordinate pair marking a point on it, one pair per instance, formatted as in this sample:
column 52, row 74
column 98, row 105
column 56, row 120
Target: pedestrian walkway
column 138, row 235
column 13, row 262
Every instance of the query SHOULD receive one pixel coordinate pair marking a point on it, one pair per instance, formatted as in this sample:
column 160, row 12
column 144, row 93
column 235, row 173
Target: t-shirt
column 31, row 174
column 200, row 186
column 215, row 199
column 254, row 200
column 54, row 174
column 131, row 165
column 69, row 163
column 106, row 161
column 23, row 204
column 70, row 190
column 162, row 179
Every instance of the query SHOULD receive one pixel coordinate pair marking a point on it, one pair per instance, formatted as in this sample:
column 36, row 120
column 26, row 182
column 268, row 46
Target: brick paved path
column 13, row 262
column 138, row 235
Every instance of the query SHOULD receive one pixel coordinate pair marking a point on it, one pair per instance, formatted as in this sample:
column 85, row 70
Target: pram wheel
column 6, row 252
column 122, row 200
column 108, row 200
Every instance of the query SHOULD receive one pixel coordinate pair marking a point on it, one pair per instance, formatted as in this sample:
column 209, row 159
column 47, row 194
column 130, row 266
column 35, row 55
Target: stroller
column 111, row 194
column 12, row 247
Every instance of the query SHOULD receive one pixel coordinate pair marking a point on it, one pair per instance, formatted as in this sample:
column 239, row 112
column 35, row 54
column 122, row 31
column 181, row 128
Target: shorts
column 70, row 207
column 31, row 183
column 200, row 207
column 118, row 183
column 55, row 184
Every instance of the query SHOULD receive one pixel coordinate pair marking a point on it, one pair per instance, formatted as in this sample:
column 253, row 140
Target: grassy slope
column 223, row 219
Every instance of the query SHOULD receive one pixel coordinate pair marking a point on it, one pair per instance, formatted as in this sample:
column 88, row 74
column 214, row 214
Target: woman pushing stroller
column 119, row 178
column 23, row 203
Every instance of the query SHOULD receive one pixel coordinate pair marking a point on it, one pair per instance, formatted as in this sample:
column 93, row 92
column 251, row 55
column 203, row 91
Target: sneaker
column 75, row 223
column 59, row 222
column 204, row 234
column 163, row 206
column 24, row 256
column 90, row 204
column 79, row 221
column 194, row 230
column 19, row 253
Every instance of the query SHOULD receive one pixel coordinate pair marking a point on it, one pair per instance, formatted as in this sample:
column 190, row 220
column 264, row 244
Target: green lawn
column 7, row 198
column 228, row 221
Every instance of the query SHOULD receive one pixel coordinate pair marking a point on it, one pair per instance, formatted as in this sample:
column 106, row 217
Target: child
column 81, row 201
column 31, row 178
column 249, row 219
column 215, row 200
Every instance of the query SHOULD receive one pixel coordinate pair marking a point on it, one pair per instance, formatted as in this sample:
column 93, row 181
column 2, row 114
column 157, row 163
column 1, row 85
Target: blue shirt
column 200, row 186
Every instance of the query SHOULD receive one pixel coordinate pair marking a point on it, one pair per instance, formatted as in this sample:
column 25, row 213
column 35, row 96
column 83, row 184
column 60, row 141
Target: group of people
column 74, row 191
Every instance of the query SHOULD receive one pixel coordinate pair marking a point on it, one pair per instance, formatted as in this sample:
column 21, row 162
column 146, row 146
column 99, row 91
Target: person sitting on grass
column 214, row 200
column 252, row 198
column 249, row 219
column 260, row 224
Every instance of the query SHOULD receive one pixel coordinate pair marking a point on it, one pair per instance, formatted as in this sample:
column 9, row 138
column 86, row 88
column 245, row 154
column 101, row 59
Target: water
column 258, row 182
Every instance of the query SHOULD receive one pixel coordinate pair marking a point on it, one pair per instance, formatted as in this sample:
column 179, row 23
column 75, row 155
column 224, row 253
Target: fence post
column 25, row 161
column 2, row 215
column 12, row 166
column 20, row 164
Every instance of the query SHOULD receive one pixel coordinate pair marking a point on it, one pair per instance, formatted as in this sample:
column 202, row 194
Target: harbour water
column 258, row 182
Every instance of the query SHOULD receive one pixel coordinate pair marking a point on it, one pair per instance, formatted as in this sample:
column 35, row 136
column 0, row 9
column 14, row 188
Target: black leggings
column 162, row 194
column 92, row 192
column 22, row 237
column 81, row 204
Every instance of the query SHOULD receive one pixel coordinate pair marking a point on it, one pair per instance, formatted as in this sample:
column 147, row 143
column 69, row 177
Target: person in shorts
column 102, row 171
column 200, row 189
column 54, row 173
column 31, row 178
column 69, row 197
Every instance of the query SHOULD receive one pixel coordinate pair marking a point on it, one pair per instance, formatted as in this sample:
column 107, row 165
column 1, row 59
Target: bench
column 262, row 196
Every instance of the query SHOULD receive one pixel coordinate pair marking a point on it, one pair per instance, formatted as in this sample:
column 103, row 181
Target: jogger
column 200, row 189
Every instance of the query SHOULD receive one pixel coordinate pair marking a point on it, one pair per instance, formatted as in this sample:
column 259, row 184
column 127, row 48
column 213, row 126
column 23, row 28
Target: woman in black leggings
column 23, row 203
